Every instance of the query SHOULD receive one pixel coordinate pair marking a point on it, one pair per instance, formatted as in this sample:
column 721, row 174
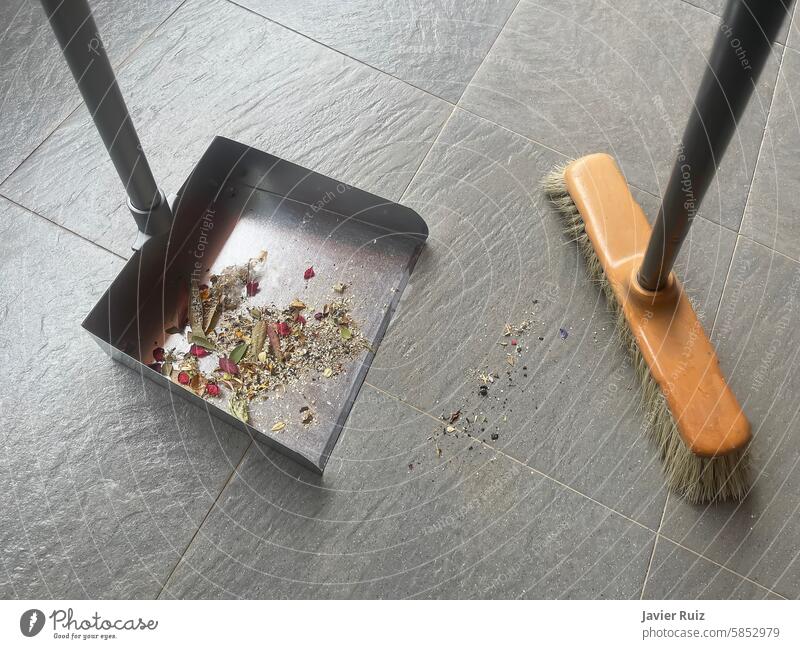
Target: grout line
column 340, row 52
column 202, row 522
column 752, row 180
column 80, row 102
column 763, row 134
column 62, row 227
column 488, row 51
column 655, row 543
column 427, row 154
column 770, row 248
column 580, row 493
column 722, row 567
column 513, row 459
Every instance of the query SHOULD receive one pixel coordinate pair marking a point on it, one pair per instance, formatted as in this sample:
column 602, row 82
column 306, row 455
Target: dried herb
column 278, row 426
column 238, row 352
column 257, row 340
column 228, row 366
column 274, row 341
column 259, row 350
column 203, row 342
column 238, row 407
column 195, row 310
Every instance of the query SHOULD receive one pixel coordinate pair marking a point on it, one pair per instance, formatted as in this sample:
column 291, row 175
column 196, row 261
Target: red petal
column 212, row 389
column 513, row 341
column 198, row 352
column 252, row 288
column 227, row 365
column 300, row 319
column 284, row 329
column 183, row 378
column 309, row 273
column 158, row 354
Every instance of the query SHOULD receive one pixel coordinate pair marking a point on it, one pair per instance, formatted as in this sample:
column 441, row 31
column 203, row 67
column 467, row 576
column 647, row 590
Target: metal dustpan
column 237, row 202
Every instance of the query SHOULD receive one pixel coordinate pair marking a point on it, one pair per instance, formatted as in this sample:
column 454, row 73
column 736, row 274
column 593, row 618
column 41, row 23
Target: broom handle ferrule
column 741, row 49
column 80, row 42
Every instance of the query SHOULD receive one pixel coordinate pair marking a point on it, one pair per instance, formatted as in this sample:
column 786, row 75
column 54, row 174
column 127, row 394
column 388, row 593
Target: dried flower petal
column 309, row 273
column 184, row 378
column 197, row 351
column 339, row 287
column 158, row 354
column 319, row 315
column 274, row 341
column 278, row 426
column 300, row 319
column 297, row 304
column 284, row 329
column 227, row 365
column 328, row 372
column 513, row 341
column 252, row 288
column 212, row 389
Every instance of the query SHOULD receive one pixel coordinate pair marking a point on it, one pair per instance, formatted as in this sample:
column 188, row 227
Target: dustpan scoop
column 235, row 203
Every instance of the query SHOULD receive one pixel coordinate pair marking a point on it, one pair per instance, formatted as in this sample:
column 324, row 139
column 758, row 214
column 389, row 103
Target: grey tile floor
column 109, row 488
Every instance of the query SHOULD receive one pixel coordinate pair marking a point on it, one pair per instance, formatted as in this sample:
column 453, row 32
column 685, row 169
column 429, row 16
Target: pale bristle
column 697, row 479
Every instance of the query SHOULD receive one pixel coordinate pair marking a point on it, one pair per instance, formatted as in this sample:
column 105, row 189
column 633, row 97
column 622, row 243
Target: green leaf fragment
column 345, row 333
column 204, row 342
column 238, row 352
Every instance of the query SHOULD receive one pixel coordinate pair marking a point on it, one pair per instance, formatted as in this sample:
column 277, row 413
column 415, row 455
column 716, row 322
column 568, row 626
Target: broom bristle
column 695, row 478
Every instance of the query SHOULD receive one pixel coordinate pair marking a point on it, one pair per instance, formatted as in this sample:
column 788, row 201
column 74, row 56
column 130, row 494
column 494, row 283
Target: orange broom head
column 695, row 418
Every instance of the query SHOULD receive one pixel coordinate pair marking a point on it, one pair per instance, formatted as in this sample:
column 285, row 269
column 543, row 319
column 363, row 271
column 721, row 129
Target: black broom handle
column 83, row 50
column 741, row 49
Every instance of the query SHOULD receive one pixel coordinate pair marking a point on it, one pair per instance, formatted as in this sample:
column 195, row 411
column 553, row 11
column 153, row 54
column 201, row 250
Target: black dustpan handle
column 83, row 50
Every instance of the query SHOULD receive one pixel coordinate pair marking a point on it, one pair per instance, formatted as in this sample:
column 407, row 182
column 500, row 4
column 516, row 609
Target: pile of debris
column 241, row 352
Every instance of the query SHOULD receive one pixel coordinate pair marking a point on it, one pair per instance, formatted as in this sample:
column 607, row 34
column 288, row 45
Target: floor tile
column 392, row 518
column 758, row 343
column 217, row 69
column 718, row 7
column 771, row 214
column 36, row 87
column 104, row 478
column 677, row 573
column 617, row 77
column 436, row 45
column 497, row 254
